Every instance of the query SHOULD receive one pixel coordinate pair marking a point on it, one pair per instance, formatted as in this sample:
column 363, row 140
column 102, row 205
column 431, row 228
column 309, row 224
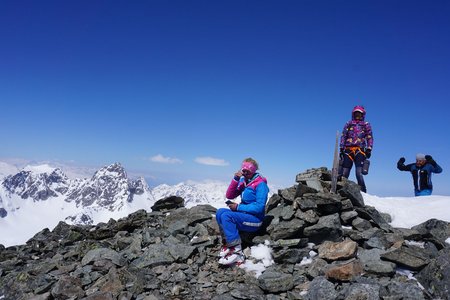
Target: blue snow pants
column 231, row 222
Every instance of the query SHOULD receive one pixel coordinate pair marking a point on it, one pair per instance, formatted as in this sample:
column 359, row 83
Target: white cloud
column 211, row 161
column 165, row 160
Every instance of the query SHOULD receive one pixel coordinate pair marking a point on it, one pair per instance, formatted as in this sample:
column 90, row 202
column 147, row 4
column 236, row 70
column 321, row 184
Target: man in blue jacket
column 421, row 173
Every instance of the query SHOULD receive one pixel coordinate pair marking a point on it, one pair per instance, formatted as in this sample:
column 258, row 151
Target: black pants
column 356, row 157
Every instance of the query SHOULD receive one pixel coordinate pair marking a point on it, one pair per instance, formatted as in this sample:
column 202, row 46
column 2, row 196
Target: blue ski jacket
column 253, row 192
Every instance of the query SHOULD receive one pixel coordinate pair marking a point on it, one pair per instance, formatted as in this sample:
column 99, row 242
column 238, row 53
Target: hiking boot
column 224, row 251
column 234, row 256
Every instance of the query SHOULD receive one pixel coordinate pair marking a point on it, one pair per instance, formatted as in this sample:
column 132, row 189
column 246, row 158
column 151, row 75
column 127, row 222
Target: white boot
column 232, row 255
column 225, row 250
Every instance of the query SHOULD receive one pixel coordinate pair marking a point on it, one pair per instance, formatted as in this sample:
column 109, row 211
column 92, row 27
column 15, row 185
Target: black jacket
column 421, row 175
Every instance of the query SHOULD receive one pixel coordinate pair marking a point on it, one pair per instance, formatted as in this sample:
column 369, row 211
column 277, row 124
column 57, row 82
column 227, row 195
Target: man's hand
column 401, row 161
column 368, row 153
column 233, row 206
column 430, row 160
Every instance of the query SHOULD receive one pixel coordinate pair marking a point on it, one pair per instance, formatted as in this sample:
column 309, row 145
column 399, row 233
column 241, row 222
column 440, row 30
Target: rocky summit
column 324, row 246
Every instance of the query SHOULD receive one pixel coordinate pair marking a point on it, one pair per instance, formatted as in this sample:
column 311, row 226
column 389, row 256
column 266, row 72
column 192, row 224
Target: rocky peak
column 108, row 187
column 38, row 186
column 114, row 170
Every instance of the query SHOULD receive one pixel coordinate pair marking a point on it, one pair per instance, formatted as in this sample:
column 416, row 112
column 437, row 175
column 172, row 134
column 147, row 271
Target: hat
column 420, row 156
column 359, row 108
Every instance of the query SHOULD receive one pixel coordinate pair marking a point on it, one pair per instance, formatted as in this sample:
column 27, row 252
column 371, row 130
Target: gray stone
column 155, row 255
column 288, row 194
column 371, row 214
column 327, row 203
column 361, row 224
column 67, row 287
column 247, row 291
column 410, row 257
column 304, row 189
column 275, row 282
column 309, row 216
column 403, row 290
column 103, row 253
column 306, row 203
column 321, row 289
column 168, row 203
column 360, row 291
column 348, row 216
column 434, row 228
column 314, row 184
column 328, row 228
column 352, row 191
column 286, row 229
column 435, row 277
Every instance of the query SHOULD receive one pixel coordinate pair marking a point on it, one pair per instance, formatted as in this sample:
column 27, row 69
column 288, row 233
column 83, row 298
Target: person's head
column 249, row 167
column 420, row 159
column 358, row 113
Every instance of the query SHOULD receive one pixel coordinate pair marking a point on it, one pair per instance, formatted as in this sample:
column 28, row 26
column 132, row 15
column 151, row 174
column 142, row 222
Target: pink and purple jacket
column 253, row 192
column 357, row 133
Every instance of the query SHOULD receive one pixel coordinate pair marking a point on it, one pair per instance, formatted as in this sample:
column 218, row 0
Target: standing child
column 356, row 145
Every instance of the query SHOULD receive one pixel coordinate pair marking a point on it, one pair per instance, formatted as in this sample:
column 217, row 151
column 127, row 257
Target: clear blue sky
column 97, row 82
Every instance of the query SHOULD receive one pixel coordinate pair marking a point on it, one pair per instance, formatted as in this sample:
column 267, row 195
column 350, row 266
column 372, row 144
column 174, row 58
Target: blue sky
column 161, row 86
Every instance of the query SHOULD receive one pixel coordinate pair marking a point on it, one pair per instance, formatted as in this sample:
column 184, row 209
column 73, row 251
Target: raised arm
column 401, row 165
column 436, row 168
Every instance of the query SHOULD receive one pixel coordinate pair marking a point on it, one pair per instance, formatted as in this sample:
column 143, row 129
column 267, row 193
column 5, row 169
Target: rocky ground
column 171, row 253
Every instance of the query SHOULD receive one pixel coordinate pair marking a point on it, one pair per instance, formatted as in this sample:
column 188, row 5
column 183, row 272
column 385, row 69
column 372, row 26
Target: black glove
column 401, row 161
column 368, row 153
column 430, row 160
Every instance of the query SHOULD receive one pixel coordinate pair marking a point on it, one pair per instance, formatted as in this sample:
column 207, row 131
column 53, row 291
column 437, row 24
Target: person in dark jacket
column 421, row 172
column 356, row 145
column 248, row 215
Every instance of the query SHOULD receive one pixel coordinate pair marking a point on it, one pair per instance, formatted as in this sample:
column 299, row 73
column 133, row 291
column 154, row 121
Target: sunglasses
column 245, row 171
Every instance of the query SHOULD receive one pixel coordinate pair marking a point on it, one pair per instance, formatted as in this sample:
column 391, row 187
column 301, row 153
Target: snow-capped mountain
column 37, row 186
column 109, row 189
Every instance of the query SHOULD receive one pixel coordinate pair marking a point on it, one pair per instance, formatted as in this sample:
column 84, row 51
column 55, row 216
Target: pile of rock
column 325, row 246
